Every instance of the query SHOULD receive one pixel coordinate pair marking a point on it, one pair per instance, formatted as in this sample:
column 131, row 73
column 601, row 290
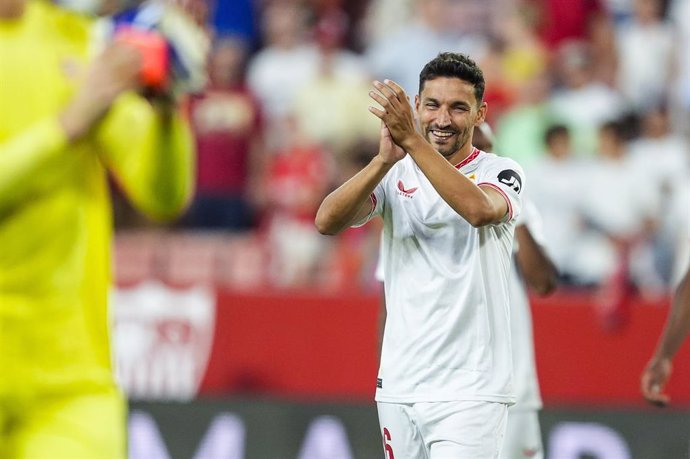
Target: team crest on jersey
column 511, row 178
column 407, row 192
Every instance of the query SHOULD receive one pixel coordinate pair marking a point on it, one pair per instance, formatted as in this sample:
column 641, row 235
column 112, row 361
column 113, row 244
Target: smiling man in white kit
column 449, row 212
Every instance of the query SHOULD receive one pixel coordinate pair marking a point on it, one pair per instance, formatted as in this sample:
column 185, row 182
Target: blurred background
column 240, row 332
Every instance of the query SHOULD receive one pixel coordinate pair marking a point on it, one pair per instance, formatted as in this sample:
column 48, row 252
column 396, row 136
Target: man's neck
column 462, row 154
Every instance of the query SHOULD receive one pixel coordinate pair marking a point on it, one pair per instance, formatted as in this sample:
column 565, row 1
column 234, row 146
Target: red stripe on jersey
column 473, row 155
column 505, row 196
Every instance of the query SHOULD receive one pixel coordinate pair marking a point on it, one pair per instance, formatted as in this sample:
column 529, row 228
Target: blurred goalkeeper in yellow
column 66, row 121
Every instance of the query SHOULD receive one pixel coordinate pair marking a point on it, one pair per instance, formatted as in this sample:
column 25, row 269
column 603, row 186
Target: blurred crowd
column 591, row 97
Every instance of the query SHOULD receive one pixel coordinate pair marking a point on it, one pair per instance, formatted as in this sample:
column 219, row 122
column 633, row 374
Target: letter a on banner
column 224, row 439
column 571, row 440
column 145, row 441
column 326, row 439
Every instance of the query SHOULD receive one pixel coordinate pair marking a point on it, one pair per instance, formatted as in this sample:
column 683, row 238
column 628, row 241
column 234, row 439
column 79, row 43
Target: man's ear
column 417, row 101
column 481, row 114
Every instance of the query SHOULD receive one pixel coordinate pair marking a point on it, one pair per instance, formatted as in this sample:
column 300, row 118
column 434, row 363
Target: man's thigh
column 462, row 429
column 400, row 433
column 72, row 426
column 523, row 436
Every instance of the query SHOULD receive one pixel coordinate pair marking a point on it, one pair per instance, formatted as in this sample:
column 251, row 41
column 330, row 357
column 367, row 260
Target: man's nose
column 443, row 118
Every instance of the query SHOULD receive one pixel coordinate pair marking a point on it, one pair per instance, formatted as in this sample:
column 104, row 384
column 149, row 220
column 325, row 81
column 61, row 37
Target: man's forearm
column 678, row 324
column 151, row 153
column 348, row 203
column 537, row 269
column 463, row 196
column 172, row 177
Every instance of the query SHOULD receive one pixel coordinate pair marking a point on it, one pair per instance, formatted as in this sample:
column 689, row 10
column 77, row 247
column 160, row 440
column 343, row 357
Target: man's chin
column 445, row 151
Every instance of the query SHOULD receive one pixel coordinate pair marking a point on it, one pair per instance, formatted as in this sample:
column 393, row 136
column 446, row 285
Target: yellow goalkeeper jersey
column 55, row 213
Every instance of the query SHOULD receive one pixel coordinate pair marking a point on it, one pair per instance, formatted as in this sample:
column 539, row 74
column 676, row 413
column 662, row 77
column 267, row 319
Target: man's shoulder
column 492, row 161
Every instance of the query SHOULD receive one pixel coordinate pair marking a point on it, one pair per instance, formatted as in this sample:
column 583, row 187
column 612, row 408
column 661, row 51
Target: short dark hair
column 555, row 130
column 614, row 127
column 454, row 65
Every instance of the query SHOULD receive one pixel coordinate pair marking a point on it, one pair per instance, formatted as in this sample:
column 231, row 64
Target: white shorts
column 523, row 436
column 442, row 430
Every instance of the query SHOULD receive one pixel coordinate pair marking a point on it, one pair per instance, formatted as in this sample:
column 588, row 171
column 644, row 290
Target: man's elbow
column 479, row 222
column 325, row 225
column 546, row 285
column 480, row 219
column 482, row 214
column 544, row 289
column 168, row 208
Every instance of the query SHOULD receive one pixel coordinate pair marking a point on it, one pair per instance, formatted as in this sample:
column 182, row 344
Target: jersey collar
column 470, row 158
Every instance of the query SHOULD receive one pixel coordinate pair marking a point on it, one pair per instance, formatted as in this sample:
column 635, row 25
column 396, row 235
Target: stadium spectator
column 386, row 18
column 561, row 21
column 400, row 56
column 679, row 12
column 500, row 93
column 337, row 130
column 236, row 17
column 68, row 119
column 513, row 59
column 624, row 215
column 663, row 158
column 430, row 396
column 556, row 180
column 646, row 56
column 520, row 131
column 525, row 55
column 228, row 128
column 580, row 101
column 294, row 183
column 286, row 61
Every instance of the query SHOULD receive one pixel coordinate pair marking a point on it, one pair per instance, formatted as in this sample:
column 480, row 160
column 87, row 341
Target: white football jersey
column 447, row 333
column 525, row 382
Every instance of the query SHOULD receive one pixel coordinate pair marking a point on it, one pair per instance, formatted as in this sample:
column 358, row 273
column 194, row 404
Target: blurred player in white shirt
column 531, row 267
column 449, row 210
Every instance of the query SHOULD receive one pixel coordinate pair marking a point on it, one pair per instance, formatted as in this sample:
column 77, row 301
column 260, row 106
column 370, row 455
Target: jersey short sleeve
column 377, row 199
column 508, row 178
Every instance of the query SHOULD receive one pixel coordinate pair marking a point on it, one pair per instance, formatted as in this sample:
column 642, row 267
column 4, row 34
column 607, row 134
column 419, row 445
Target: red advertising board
column 307, row 345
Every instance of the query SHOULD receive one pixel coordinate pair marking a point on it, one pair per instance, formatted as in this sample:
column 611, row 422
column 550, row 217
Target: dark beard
column 448, row 151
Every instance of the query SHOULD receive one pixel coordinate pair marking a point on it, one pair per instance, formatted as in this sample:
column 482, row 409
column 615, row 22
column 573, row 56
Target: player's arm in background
column 26, row 156
column 148, row 144
column 479, row 205
column 351, row 202
column 536, row 268
column 148, row 147
column 658, row 370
